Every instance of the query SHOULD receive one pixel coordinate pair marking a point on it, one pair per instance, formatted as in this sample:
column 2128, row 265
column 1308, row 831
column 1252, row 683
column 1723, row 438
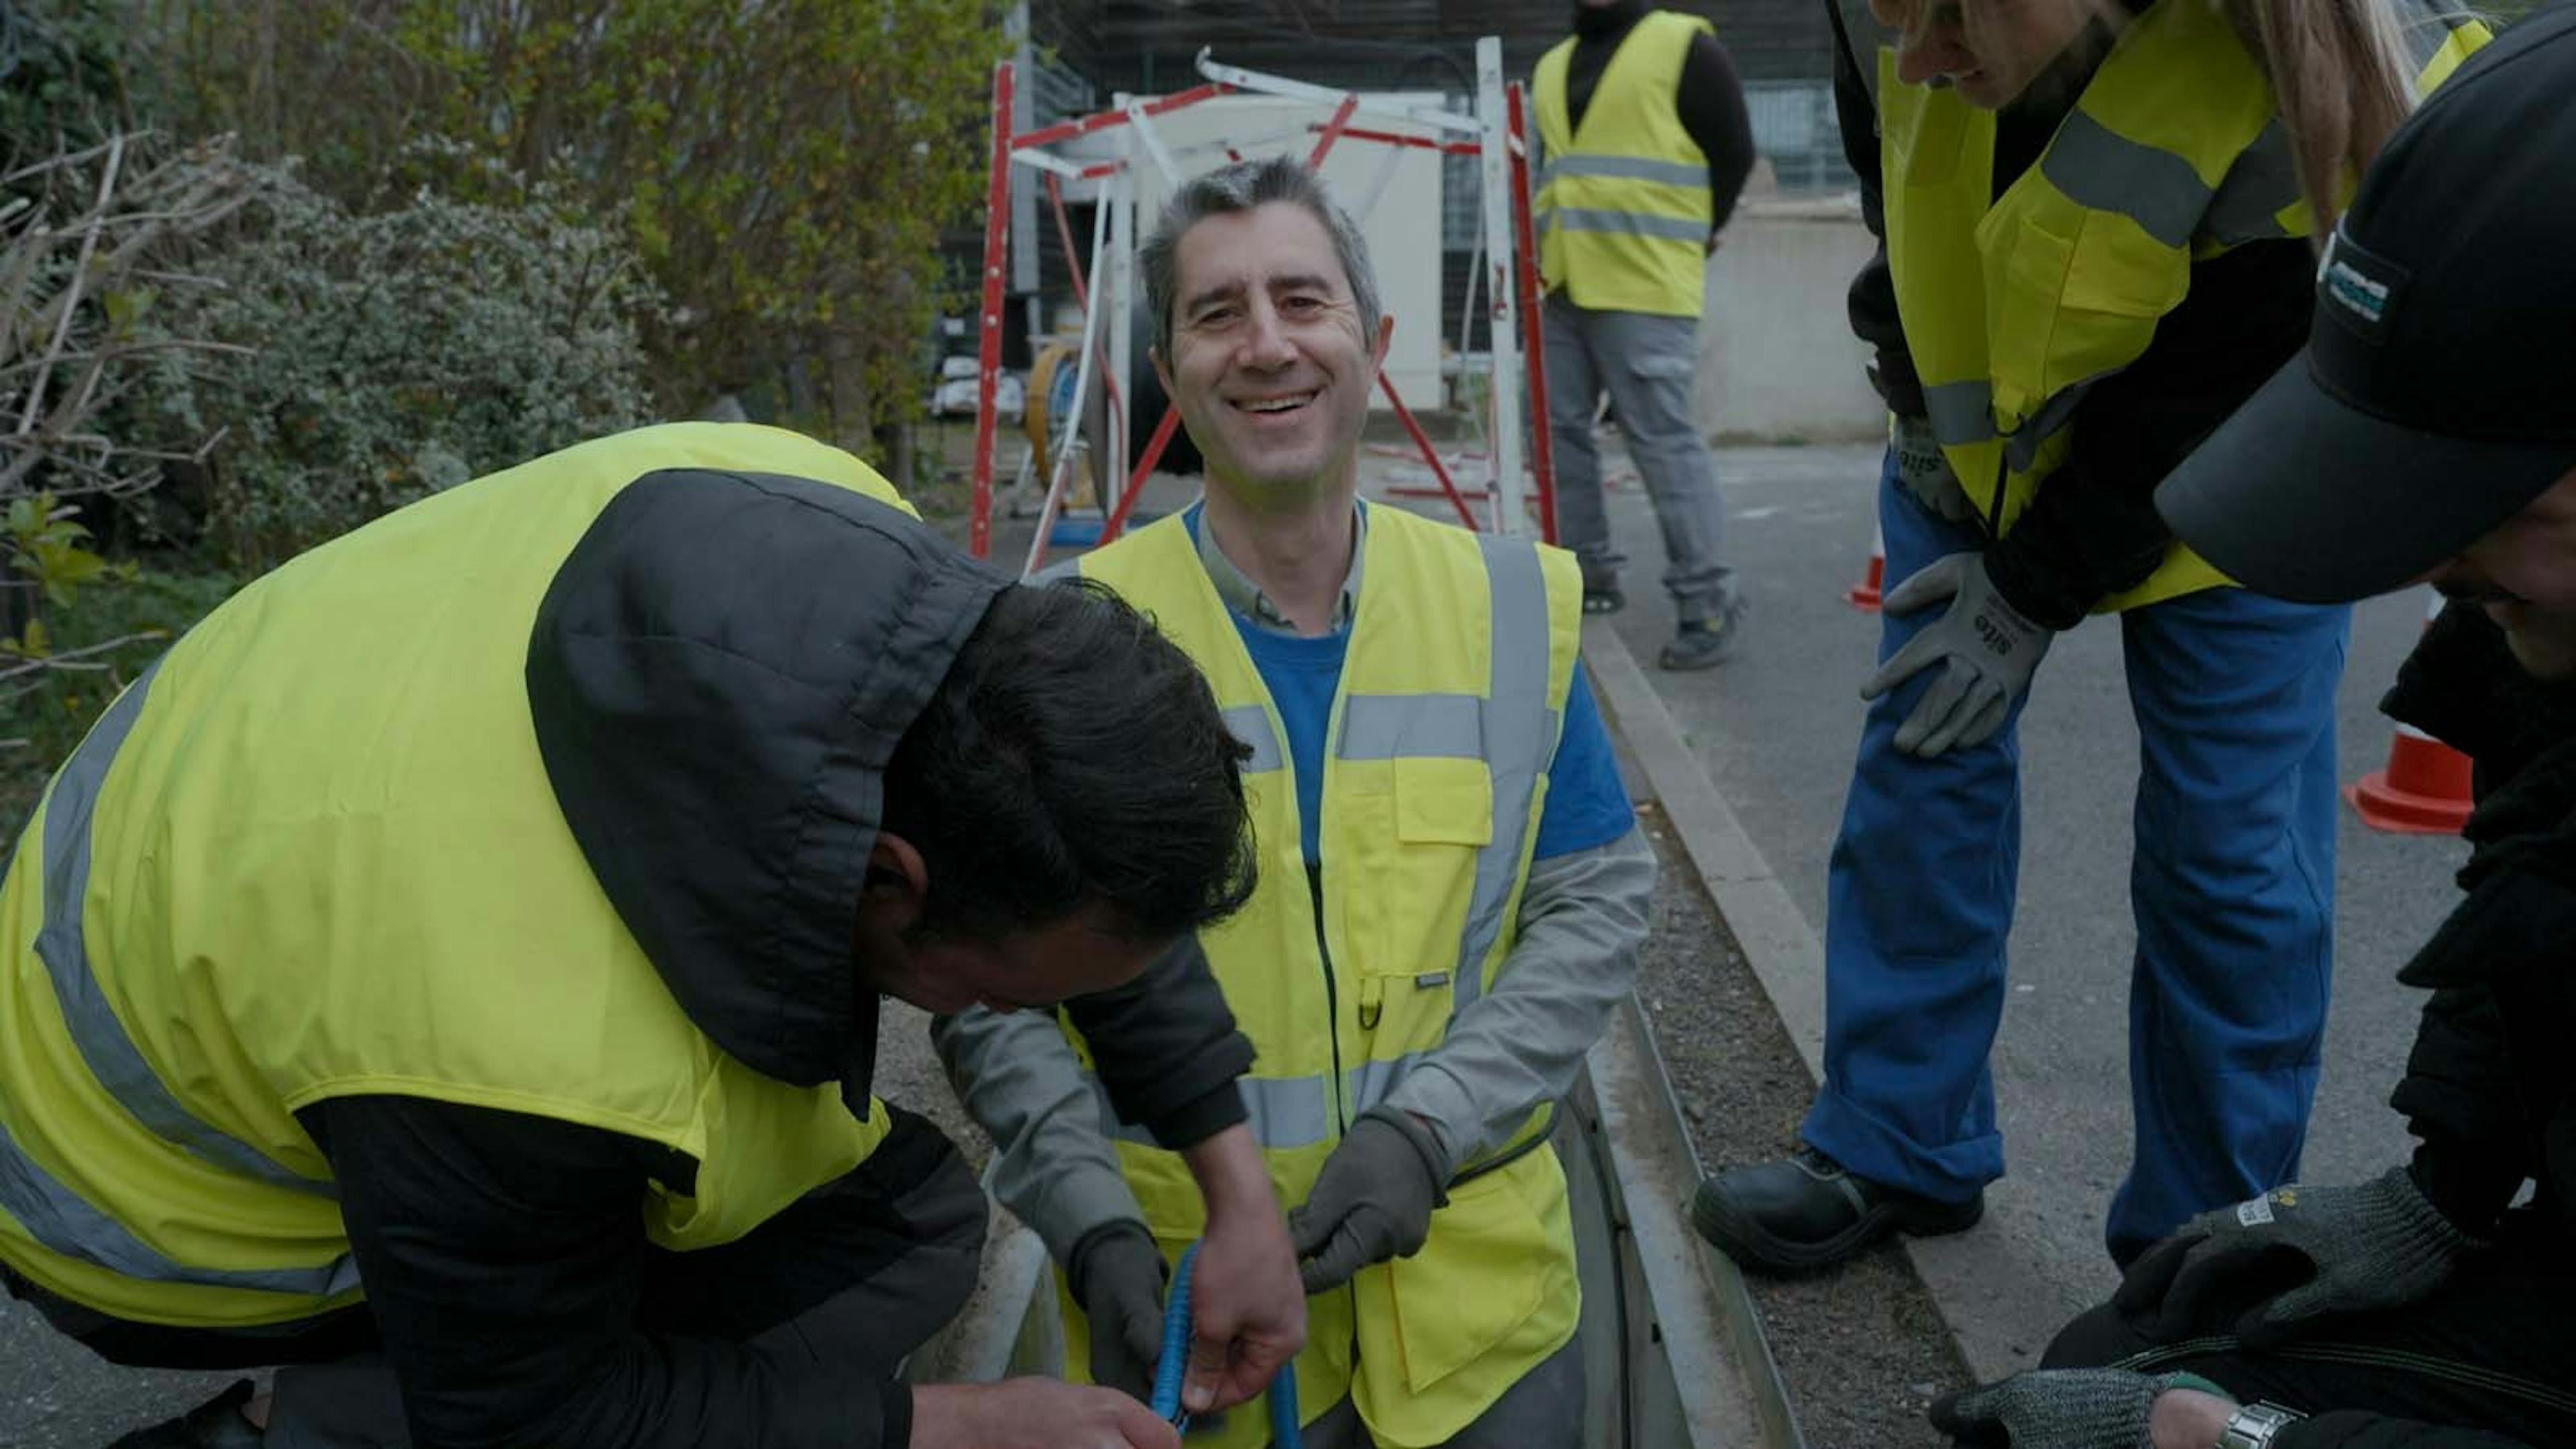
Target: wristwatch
column 2253, row 1426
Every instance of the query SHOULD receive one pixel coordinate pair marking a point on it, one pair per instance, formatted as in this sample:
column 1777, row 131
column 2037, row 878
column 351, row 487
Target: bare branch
column 70, row 659
column 80, row 273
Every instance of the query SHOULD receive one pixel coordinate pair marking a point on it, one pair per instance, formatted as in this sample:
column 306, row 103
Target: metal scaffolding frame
column 1499, row 132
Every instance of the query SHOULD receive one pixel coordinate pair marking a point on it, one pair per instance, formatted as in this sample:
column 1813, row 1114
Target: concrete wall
column 1777, row 357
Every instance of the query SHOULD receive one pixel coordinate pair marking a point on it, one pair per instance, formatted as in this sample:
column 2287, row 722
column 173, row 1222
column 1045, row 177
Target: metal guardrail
column 1795, row 127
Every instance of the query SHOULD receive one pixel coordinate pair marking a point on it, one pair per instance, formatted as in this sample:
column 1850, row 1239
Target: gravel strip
column 1863, row 1350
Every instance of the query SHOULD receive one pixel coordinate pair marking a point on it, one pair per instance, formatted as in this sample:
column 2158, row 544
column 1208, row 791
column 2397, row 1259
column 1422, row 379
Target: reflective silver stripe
column 62, row 1220
column 1625, row 168
column 2264, row 181
column 1520, row 733
column 2099, row 168
column 1962, row 412
column 2022, row 449
column 1283, row 1111
column 1250, row 723
column 111, row 1054
column 1629, row 223
column 1383, row 726
column 1288, row 1111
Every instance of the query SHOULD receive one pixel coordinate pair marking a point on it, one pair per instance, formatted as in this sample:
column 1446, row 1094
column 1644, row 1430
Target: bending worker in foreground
column 2427, row 432
column 2096, row 216
column 1453, row 888
column 463, row 949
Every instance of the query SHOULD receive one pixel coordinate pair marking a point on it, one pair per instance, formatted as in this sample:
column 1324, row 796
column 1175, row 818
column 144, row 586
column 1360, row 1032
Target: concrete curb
column 1988, row 1303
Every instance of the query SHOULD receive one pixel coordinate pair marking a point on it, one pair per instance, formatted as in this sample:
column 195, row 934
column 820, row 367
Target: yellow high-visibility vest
column 313, row 852
column 1623, row 209
column 1451, row 699
column 2013, row 307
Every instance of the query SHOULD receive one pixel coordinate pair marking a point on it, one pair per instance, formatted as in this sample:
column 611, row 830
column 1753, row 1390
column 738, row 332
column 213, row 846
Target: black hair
column 1072, row 754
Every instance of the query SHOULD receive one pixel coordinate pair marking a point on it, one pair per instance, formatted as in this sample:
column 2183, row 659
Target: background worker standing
column 1647, row 145
column 463, row 949
column 2096, row 217
column 1453, row 886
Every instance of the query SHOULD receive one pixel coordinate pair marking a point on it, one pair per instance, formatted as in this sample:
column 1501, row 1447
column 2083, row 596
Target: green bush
column 398, row 353
column 784, row 167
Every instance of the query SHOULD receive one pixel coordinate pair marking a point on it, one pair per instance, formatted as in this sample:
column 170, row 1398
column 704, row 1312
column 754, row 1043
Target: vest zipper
column 1332, row 1000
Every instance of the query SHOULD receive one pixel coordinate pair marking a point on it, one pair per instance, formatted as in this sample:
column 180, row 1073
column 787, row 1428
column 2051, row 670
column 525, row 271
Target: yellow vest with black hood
column 1460, row 657
column 2014, row 306
column 550, row 794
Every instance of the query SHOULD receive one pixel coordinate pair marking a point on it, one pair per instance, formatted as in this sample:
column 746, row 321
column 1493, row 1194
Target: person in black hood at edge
column 453, row 969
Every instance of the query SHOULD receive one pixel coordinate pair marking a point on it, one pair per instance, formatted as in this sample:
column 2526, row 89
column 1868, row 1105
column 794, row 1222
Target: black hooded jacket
column 2490, row 1086
column 718, row 675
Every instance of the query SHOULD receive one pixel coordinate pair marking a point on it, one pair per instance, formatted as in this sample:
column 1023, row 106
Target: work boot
column 1601, row 591
column 1702, row 643
column 215, row 1424
column 1806, row 1212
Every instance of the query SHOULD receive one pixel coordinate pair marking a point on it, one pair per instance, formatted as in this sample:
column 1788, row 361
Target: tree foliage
column 786, row 167
column 71, row 74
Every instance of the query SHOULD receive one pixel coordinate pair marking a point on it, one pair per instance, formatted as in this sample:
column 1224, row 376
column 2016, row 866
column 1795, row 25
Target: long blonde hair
column 2342, row 74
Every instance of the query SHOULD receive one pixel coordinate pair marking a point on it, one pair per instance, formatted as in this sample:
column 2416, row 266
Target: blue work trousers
column 2231, row 881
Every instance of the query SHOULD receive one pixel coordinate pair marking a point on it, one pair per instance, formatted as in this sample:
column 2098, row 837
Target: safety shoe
column 1805, row 1212
column 215, row 1424
column 1701, row 643
column 1601, row 591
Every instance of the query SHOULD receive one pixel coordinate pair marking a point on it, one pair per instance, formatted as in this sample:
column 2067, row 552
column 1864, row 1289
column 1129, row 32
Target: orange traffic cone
column 2425, row 789
column 1864, row 595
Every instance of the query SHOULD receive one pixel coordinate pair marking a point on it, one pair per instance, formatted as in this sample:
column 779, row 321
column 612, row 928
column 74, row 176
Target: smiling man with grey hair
column 1453, row 891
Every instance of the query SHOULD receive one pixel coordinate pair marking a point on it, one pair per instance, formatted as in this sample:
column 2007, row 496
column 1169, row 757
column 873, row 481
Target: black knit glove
column 1116, row 1274
column 2378, row 1245
column 1373, row 1201
column 2055, row 1409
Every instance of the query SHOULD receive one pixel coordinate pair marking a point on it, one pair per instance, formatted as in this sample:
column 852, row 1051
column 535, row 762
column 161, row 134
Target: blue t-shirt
column 1586, row 806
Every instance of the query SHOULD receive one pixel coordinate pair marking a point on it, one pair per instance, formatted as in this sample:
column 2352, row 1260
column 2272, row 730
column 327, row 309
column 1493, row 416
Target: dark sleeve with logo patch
column 1166, row 1048
column 506, row 1265
column 2093, row 530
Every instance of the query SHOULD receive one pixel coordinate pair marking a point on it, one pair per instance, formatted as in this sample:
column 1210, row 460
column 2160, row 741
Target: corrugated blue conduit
column 1176, row 1356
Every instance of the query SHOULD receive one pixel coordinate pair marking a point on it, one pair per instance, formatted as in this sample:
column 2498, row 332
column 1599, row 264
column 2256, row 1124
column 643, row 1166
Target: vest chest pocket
column 1415, row 848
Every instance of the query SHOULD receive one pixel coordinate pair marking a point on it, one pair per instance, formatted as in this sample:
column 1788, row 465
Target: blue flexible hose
column 1176, row 1341
column 1285, row 1431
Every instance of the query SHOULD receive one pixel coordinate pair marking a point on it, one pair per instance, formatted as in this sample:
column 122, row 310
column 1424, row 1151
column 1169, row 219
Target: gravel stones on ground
column 1862, row 1349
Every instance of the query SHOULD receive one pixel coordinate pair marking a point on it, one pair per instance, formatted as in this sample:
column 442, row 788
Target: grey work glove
column 1373, row 1200
column 2344, row 1250
column 1925, row 470
column 1988, row 651
column 1117, row 1275
column 2055, row 1409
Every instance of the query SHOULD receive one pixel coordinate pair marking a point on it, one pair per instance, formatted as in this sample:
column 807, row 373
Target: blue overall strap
column 1285, row 1429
